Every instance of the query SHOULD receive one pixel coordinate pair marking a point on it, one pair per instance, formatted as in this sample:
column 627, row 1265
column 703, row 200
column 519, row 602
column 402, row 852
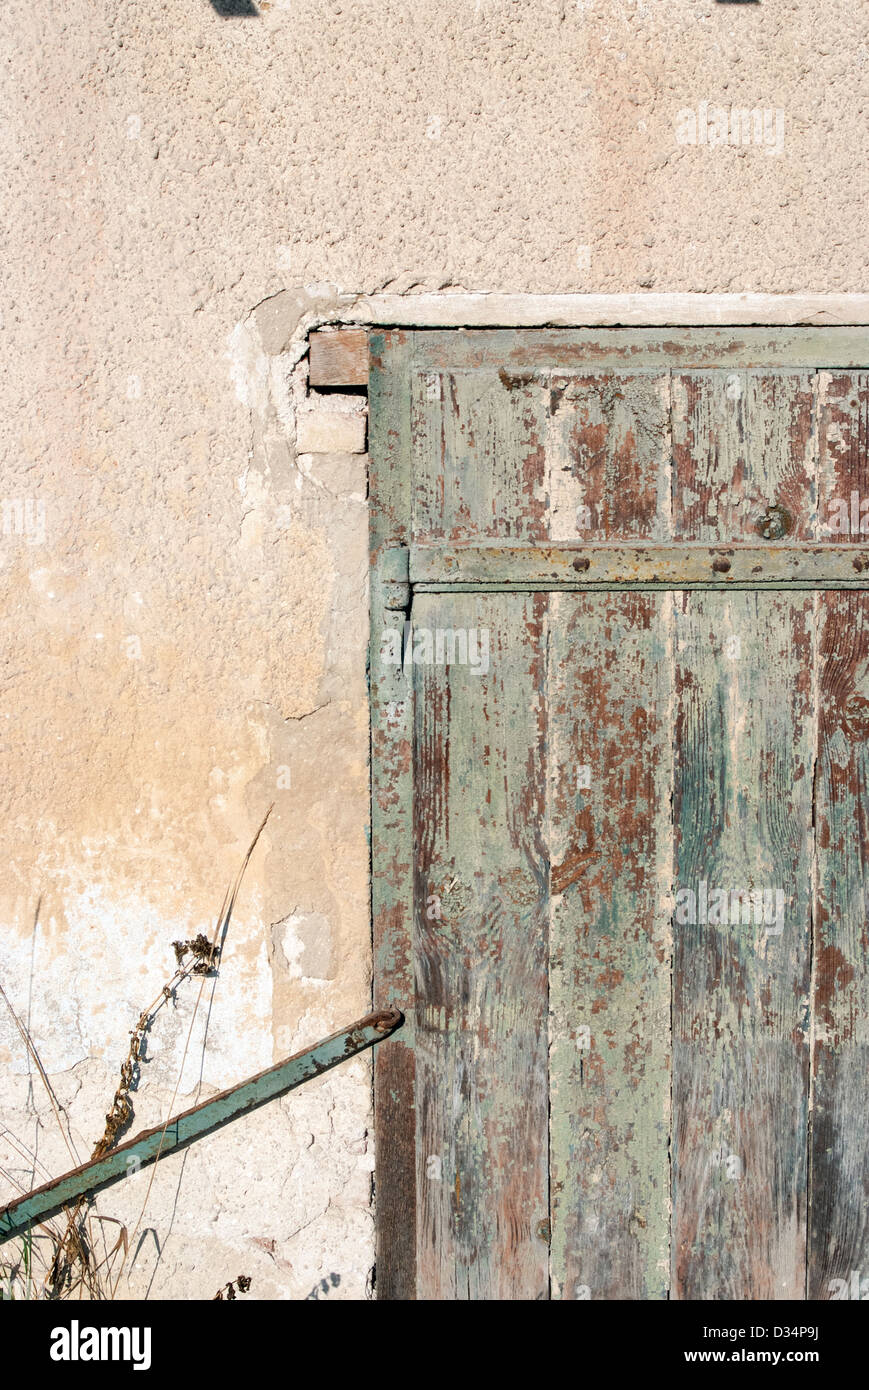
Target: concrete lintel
column 602, row 310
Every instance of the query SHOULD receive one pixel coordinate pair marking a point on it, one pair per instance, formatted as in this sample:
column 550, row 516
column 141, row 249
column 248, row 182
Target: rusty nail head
column 774, row 523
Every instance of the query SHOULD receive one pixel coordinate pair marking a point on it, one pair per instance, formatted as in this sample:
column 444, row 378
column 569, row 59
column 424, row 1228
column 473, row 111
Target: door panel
column 620, row 878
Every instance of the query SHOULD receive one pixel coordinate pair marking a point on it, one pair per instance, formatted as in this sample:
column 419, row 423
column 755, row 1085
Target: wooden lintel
column 338, row 357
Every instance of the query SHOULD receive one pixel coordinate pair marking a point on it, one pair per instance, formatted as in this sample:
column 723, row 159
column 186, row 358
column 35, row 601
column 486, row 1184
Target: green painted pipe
column 46, row 1201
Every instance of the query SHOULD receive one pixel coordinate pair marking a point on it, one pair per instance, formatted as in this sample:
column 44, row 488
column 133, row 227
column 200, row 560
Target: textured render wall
column 182, row 558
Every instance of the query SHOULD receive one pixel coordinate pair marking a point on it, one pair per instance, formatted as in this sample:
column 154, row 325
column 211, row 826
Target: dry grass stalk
column 240, row 1284
column 74, row 1269
column 73, row 1256
column 215, row 946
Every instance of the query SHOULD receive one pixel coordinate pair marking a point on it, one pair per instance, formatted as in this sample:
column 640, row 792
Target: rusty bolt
column 774, row 523
column 721, row 566
column 581, row 564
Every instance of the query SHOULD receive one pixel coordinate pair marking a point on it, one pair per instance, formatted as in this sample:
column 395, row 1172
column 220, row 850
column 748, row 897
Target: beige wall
column 184, row 584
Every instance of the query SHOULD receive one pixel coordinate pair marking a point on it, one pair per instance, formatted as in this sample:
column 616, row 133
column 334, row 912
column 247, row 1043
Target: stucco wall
column 184, row 581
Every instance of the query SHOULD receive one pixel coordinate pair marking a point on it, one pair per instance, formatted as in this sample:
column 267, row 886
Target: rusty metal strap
column 193, row 1124
column 671, row 566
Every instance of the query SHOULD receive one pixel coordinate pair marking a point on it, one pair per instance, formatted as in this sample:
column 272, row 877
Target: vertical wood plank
column 608, row 454
column 479, row 455
column 843, row 430
column 611, row 843
column 391, row 703
column 481, row 953
column 742, row 806
column 839, row 1198
column 742, row 441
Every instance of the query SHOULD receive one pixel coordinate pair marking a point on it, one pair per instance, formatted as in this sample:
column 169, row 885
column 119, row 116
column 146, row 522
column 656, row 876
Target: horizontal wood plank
column 554, row 350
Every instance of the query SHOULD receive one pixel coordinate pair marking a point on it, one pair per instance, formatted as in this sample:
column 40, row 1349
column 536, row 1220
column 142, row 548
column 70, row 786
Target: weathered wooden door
column 620, row 705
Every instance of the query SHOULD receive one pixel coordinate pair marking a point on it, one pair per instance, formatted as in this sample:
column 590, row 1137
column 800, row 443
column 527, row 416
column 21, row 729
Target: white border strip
column 604, row 310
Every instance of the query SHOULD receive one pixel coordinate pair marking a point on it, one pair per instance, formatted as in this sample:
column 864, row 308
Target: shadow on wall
column 229, row 8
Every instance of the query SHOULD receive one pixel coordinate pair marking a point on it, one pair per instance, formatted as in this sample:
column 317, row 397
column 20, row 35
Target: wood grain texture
column 684, row 349
column 742, row 811
column 338, row 358
column 610, row 773
column 717, row 740
column 391, row 703
column 742, row 440
column 839, row 1222
column 608, row 454
column 481, row 956
column 479, row 455
column 843, row 463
